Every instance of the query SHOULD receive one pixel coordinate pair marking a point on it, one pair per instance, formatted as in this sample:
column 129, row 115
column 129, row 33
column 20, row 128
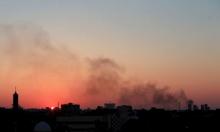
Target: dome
column 42, row 127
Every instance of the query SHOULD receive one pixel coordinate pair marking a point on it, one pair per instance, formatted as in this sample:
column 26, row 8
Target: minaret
column 15, row 100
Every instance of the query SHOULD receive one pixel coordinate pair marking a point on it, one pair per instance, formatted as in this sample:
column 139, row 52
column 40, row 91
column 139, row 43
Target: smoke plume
column 31, row 61
column 107, row 83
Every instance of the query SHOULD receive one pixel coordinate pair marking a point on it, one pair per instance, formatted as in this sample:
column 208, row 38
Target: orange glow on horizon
column 52, row 108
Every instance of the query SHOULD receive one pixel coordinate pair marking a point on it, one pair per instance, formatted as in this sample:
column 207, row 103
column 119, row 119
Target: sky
column 52, row 50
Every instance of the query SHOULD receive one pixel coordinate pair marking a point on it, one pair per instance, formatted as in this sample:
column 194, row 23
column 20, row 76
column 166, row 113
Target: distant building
column 190, row 105
column 99, row 107
column 109, row 106
column 202, row 107
column 195, row 107
column 125, row 108
column 15, row 100
column 205, row 107
column 70, row 107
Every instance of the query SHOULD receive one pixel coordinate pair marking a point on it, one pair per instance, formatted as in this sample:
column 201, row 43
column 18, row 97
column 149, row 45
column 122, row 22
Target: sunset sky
column 52, row 50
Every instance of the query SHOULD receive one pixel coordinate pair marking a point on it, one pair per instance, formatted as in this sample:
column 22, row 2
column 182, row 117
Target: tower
column 15, row 100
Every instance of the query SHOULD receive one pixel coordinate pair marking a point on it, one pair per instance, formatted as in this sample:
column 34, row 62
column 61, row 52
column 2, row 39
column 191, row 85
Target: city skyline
column 92, row 52
column 188, row 105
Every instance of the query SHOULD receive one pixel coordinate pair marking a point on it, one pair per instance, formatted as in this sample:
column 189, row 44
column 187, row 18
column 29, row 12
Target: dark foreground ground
column 122, row 119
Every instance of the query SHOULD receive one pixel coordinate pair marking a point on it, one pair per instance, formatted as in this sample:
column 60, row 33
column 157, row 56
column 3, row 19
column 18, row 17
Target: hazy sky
column 168, row 42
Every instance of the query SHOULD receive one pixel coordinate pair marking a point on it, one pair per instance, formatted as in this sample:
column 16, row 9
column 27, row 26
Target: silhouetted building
column 202, row 107
column 15, row 100
column 109, row 106
column 195, row 107
column 125, row 109
column 99, row 108
column 205, row 107
column 190, row 105
column 70, row 107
